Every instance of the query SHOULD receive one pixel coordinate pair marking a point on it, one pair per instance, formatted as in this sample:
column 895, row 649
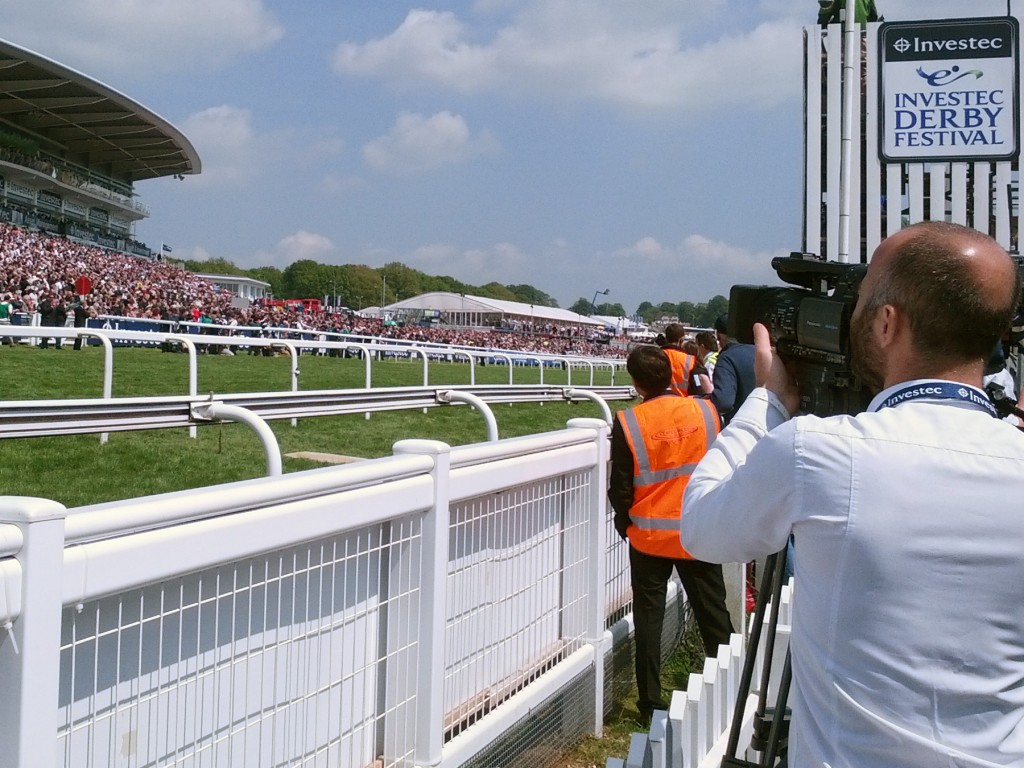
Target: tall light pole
column 593, row 301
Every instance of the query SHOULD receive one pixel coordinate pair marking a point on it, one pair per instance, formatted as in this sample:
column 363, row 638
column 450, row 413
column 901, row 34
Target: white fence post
column 30, row 650
column 596, row 545
column 428, row 733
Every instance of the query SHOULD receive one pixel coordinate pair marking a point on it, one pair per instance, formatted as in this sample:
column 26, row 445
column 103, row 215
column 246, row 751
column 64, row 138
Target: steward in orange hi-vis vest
column 682, row 371
column 667, row 435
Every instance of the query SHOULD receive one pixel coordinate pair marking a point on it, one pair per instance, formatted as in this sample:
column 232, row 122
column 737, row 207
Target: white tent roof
column 455, row 302
column 624, row 323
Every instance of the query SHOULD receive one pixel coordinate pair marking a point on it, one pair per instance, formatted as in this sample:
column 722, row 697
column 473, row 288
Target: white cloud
column 609, row 51
column 119, row 40
column 418, row 143
column 224, row 138
column 304, row 245
column 697, row 259
column 504, row 263
column 298, row 245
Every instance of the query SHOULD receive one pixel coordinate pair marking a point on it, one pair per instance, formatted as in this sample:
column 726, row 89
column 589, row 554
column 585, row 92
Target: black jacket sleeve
column 620, row 479
column 725, row 380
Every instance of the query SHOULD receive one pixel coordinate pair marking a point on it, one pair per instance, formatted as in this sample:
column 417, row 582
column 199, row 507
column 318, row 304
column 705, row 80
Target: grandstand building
column 72, row 149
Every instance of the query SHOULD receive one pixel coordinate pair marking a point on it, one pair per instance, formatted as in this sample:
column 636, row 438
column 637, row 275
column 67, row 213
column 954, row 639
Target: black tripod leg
column 775, row 566
column 775, row 734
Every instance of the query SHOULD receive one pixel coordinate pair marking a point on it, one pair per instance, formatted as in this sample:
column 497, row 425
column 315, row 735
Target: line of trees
column 358, row 286
column 698, row 314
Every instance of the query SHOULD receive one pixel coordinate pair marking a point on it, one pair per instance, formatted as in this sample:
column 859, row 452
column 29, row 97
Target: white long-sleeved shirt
column 908, row 634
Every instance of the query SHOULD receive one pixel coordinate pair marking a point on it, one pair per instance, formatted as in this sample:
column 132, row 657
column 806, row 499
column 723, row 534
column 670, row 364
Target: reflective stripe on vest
column 675, row 433
column 682, row 364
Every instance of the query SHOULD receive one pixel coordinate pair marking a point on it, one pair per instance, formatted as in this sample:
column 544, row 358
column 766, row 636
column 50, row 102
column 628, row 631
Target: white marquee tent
column 477, row 311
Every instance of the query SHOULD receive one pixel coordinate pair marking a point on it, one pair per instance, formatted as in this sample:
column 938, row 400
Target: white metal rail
column 36, row 418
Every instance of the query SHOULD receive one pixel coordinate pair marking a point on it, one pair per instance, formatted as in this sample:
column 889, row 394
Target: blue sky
column 652, row 147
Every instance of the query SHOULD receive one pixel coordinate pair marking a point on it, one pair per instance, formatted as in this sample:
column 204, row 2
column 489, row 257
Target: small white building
column 248, row 288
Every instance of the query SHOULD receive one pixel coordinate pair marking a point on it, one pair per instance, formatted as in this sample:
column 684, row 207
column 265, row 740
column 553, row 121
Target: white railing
column 694, row 732
column 367, row 350
column 394, row 610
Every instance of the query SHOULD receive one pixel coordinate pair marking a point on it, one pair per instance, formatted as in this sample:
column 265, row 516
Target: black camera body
column 810, row 326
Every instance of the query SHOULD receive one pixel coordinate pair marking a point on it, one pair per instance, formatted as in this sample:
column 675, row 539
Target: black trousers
column 705, row 591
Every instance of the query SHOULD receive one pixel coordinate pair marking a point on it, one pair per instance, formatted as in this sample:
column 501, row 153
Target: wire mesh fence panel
column 290, row 658
column 516, row 590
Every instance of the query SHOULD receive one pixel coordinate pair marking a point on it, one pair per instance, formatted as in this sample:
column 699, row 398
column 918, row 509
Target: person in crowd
column 734, row 371
column 81, row 313
column 688, row 374
column 707, row 351
column 34, row 263
column 908, row 634
column 652, row 445
column 48, row 315
column 5, row 316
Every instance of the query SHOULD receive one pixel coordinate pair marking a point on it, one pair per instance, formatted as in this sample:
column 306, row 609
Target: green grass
column 35, row 374
column 78, row 470
column 624, row 720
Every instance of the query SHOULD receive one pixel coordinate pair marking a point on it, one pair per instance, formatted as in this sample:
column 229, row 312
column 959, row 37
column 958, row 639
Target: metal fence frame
column 56, row 562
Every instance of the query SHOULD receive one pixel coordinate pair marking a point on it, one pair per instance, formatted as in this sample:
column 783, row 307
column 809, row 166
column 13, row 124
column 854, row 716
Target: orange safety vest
column 682, row 365
column 668, row 435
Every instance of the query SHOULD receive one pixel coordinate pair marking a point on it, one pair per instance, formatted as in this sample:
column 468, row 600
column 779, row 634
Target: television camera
column 810, row 326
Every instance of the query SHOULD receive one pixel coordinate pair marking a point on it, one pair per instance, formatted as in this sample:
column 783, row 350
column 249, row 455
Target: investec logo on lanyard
column 939, row 390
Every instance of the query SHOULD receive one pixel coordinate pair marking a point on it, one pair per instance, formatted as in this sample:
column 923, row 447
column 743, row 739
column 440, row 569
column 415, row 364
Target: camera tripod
column 771, row 724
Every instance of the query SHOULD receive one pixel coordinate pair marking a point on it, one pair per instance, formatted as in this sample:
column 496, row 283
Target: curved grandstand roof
column 87, row 122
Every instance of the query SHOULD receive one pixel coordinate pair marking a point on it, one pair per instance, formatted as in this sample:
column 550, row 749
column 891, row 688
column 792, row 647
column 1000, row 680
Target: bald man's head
column 957, row 287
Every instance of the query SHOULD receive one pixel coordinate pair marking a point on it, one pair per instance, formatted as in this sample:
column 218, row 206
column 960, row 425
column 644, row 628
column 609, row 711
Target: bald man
column 908, row 634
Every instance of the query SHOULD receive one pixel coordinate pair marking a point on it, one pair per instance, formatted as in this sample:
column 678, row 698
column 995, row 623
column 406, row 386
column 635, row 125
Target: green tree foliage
column 687, row 311
column 359, row 286
column 530, row 295
column 444, row 284
column 402, row 282
column 696, row 314
column 611, row 310
column 363, row 286
column 270, row 275
column 496, row 291
column 215, row 266
column 304, row 279
column 582, row 307
column 717, row 305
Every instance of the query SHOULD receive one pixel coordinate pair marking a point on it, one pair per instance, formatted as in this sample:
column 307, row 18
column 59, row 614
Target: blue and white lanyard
column 940, row 390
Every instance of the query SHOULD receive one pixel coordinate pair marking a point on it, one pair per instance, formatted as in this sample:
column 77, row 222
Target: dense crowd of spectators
column 38, row 271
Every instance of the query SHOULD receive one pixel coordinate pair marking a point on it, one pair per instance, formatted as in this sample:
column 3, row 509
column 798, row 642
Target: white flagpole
column 849, row 28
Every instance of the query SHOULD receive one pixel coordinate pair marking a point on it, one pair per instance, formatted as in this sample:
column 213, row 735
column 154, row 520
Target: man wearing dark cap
column 733, row 377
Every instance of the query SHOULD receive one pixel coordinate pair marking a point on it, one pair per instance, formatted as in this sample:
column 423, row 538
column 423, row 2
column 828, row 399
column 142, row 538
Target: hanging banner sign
column 949, row 90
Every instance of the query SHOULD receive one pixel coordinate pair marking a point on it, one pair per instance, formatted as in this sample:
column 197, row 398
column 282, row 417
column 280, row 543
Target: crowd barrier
column 381, row 611
column 694, row 731
column 407, row 611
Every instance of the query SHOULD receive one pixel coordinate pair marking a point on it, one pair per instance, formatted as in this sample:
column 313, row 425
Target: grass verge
column 624, row 720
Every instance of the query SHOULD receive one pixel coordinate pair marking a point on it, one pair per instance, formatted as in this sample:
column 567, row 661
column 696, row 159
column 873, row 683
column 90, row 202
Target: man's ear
column 888, row 325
